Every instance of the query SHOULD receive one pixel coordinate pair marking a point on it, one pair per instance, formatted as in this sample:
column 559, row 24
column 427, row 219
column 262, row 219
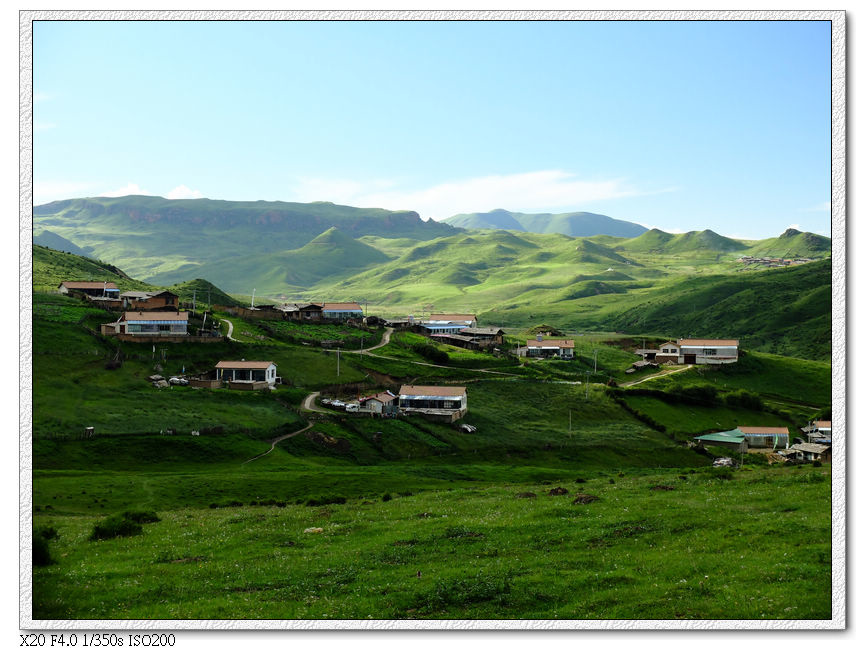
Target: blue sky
column 675, row 125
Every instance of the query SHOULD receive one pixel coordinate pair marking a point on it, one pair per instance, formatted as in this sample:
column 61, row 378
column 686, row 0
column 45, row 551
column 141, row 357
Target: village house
column 149, row 300
column 94, row 289
column 693, row 351
column 486, row 336
column 731, row 439
column 149, row 324
column 448, row 323
column 819, row 431
column 772, row 437
column 807, row 452
column 442, row 402
column 541, row 348
column 341, row 311
column 247, row 375
column 385, row 403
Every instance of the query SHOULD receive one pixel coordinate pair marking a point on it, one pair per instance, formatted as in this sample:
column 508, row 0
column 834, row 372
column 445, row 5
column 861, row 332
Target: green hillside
column 785, row 311
column 793, row 243
column 148, row 235
column 657, row 241
column 330, row 255
column 51, row 267
column 204, row 292
column 53, row 240
column 573, row 224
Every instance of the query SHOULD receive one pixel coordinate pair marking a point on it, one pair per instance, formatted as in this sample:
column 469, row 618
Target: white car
column 337, row 404
column 352, row 408
column 178, row 381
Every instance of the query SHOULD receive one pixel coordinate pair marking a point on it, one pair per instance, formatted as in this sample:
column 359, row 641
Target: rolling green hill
column 573, row 224
column 149, row 235
column 793, row 243
column 51, row 267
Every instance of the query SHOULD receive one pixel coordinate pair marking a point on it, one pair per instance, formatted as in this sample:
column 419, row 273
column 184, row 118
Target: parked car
column 337, row 404
column 468, row 428
column 352, row 408
column 178, row 381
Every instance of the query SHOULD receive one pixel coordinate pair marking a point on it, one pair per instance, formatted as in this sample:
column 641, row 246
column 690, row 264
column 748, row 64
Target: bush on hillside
column 41, row 552
column 744, row 399
column 141, row 516
column 115, row 526
column 430, row 352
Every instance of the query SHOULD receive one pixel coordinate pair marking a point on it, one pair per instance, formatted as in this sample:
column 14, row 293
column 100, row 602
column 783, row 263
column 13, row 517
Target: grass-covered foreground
column 693, row 544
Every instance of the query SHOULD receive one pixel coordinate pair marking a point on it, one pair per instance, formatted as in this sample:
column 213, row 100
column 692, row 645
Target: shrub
column 431, row 353
column 326, row 501
column 47, row 532
column 816, row 463
column 142, row 516
column 744, row 399
column 580, row 480
column 115, row 526
column 41, row 552
column 612, row 482
column 386, row 496
column 723, row 473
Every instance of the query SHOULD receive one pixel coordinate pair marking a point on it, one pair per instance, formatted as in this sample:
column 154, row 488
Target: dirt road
column 276, row 441
column 656, row 375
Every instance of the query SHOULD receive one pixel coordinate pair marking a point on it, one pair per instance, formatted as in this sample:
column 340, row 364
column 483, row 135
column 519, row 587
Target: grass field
column 755, row 546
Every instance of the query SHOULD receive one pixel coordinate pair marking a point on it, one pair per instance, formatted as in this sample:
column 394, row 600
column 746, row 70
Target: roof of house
column 452, row 317
column 725, row 436
column 384, row 397
column 155, row 315
column 495, row 331
column 721, row 342
column 456, row 337
column 550, row 343
column 88, row 285
column 246, row 365
column 669, row 343
column 768, row 431
column 341, row 306
column 810, row 447
column 145, row 294
column 434, row 391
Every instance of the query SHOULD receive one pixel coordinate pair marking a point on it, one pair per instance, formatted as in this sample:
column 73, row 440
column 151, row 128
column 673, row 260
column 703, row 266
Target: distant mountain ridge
column 573, row 224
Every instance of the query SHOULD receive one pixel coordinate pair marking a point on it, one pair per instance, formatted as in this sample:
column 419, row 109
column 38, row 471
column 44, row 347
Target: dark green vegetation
column 657, row 546
column 573, row 224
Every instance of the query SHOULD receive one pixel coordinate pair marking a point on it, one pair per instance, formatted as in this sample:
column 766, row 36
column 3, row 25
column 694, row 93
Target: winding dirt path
column 276, row 441
column 309, row 404
column 656, row 375
column 230, row 330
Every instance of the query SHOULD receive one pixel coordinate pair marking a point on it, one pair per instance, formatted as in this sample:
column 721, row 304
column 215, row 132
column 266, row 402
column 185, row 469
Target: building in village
column 731, row 439
column 149, row 324
column 807, row 452
column 819, row 431
column 486, row 336
column 541, row 348
column 149, row 300
column 771, row 437
column 693, row 351
column 247, row 375
column 94, row 289
column 384, row 403
column 447, row 403
column 448, row 323
column 341, row 311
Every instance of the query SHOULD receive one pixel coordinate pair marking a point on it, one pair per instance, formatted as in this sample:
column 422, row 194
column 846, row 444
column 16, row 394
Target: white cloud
column 127, row 190
column 826, row 206
column 43, row 126
column 531, row 191
column 183, row 192
column 42, row 97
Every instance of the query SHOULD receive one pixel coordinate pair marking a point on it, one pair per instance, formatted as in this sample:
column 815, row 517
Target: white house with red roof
column 247, row 371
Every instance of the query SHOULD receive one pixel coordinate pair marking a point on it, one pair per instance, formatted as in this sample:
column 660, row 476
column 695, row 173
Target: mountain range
column 573, row 224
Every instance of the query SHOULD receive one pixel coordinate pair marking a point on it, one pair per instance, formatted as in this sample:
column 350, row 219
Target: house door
column 690, row 358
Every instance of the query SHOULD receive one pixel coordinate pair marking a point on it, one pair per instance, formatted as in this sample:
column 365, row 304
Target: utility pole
column 252, row 304
column 596, row 360
column 337, row 362
column 193, row 301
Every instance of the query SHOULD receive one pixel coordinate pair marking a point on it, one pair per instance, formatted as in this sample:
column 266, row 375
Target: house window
column 708, row 352
column 165, row 328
